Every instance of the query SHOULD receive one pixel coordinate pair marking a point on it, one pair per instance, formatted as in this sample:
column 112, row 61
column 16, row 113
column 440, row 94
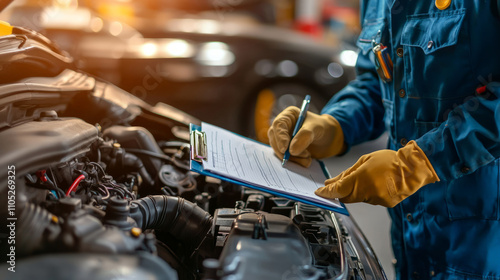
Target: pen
column 298, row 125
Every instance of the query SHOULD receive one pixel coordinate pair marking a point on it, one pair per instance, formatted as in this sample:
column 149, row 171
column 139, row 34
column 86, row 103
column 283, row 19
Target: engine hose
column 136, row 163
column 36, row 226
column 120, row 160
column 184, row 220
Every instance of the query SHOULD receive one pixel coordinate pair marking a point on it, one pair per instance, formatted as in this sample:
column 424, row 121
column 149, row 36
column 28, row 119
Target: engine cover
column 266, row 246
column 91, row 266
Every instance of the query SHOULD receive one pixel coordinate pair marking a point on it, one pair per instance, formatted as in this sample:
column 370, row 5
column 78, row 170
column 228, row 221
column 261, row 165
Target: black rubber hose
column 184, row 220
column 131, row 160
column 118, row 160
column 35, row 229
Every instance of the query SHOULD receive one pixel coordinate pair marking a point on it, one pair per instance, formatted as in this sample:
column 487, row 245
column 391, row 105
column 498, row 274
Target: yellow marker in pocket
column 383, row 62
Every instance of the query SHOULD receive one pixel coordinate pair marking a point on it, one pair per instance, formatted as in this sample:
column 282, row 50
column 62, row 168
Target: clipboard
column 200, row 153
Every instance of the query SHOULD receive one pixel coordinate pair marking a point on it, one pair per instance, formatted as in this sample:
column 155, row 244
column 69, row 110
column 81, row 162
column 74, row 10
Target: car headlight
column 215, row 54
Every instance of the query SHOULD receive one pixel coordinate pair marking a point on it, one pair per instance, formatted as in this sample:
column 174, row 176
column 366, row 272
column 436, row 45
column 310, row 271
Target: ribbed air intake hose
column 182, row 219
column 35, row 229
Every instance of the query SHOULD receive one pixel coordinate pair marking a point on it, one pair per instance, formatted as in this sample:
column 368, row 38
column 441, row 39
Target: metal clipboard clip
column 198, row 146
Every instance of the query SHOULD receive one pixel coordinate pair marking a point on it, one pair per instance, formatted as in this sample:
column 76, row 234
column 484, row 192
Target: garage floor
column 373, row 220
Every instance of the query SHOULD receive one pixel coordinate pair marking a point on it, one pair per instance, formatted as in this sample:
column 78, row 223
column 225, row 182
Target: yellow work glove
column 383, row 177
column 320, row 136
column 5, row 28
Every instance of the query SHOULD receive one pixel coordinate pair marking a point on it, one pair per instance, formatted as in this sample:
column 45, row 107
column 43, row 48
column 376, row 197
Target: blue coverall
column 449, row 229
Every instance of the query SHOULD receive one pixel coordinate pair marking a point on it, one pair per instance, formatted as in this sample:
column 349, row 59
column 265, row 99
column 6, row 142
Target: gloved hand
column 320, row 136
column 383, row 177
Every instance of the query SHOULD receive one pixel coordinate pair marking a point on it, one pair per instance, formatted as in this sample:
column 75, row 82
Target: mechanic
column 439, row 104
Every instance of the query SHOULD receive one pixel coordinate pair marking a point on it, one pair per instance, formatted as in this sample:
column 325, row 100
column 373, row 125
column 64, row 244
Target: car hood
column 52, row 83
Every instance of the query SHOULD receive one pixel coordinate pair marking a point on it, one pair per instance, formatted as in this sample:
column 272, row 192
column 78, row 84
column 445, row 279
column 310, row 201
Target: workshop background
column 244, row 58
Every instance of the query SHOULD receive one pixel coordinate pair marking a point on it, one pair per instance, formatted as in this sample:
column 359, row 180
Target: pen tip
column 283, row 163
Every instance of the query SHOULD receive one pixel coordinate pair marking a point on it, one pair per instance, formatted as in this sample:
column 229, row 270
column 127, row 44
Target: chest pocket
column 373, row 29
column 436, row 55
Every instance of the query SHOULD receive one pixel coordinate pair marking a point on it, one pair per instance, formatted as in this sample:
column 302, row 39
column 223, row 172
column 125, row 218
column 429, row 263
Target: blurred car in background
column 220, row 65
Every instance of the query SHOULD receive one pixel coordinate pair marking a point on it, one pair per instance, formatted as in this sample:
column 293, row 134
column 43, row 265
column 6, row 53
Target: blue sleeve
column 358, row 107
column 468, row 139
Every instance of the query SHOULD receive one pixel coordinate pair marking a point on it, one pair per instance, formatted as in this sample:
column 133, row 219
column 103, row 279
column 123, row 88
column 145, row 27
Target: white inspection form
column 246, row 160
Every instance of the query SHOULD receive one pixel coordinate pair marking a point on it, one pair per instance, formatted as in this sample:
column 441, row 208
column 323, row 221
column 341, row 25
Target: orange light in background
column 215, row 54
column 96, row 24
column 65, row 4
column 52, row 3
column 117, row 10
column 179, row 48
column 149, row 49
column 285, row 10
column 115, row 28
column 209, row 27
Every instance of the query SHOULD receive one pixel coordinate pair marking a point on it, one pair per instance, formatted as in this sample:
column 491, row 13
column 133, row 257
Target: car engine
column 96, row 184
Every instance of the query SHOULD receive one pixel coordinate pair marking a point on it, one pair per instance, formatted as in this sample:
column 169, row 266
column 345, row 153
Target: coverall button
column 409, row 217
column 442, row 4
column 415, row 275
column 430, row 44
column 403, row 141
column 400, row 52
column 402, row 93
column 465, row 169
column 432, row 273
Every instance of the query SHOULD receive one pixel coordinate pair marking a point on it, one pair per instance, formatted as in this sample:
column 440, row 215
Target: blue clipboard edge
column 198, row 168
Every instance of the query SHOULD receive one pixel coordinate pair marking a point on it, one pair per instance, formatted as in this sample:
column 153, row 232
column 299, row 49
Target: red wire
column 75, row 184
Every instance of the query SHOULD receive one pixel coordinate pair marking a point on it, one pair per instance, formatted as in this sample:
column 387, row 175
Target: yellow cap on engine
column 5, row 28
column 54, row 219
column 135, row 231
